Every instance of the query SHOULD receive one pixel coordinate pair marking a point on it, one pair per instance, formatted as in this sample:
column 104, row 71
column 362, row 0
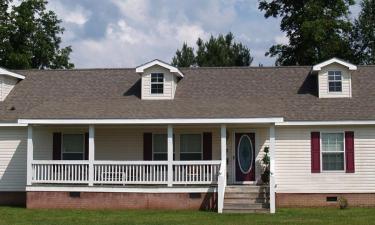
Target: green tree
column 217, row 51
column 30, row 37
column 317, row 30
column 364, row 33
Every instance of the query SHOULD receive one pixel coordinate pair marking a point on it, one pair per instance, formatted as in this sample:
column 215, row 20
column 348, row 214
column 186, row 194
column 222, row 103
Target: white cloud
column 77, row 15
column 137, row 10
column 282, row 39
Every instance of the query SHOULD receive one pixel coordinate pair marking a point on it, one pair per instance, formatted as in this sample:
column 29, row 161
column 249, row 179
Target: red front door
column 245, row 156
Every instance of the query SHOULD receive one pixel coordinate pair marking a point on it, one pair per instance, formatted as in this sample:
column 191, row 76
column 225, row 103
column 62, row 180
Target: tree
column 30, row 37
column 364, row 33
column 317, row 30
column 217, row 51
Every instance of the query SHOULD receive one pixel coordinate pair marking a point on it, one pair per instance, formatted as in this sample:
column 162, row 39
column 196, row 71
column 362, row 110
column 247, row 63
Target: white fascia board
column 11, row 74
column 154, row 121
column 124, row 189
column 172, row 69
column 319, row 66
column 325, row 123
column 12, row 125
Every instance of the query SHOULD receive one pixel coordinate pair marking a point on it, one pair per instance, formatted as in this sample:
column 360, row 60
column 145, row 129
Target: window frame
column 180, row 151
column 329, row 81
column 62, row 146
column 343, row 152
column 158, row 83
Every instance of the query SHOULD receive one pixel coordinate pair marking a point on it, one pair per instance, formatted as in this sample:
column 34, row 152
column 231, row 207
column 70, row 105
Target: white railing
column 130, row 172
column 195, row 172
column 124, row 172
column 55, row 172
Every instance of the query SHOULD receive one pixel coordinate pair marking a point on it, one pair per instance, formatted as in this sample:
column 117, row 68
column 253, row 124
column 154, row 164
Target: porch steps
column 246, row 199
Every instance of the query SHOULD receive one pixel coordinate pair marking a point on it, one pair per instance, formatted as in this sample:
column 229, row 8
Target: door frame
column 233, row 155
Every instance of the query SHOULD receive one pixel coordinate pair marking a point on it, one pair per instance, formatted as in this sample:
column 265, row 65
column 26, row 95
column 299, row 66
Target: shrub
column 343, row 203
column 266, row 166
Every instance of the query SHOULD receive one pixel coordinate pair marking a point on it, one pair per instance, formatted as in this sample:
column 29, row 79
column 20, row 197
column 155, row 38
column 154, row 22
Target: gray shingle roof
column 289, row 92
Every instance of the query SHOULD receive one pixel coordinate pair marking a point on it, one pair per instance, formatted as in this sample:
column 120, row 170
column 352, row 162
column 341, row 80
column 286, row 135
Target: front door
column 245, row 157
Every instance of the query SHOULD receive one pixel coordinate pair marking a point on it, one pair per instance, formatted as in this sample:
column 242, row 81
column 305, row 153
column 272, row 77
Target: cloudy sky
column 126, row 33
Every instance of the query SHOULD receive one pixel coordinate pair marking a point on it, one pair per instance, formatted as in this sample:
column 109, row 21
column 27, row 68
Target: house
column 162, row 137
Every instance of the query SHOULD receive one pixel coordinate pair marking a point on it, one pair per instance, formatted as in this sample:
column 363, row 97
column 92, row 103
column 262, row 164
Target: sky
column 127, row 33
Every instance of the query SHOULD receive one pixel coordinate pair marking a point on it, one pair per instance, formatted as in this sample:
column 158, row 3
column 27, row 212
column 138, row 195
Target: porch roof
column 211, row 93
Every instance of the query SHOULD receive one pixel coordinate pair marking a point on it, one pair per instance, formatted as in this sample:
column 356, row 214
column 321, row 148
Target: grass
column 14, row 215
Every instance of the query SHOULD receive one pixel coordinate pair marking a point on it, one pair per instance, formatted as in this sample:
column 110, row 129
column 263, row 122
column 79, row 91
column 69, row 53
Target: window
column 160, row 147
column 190, row 147
column 333, row 151
column 334, row 81
column 157, row 83
column 73, row 147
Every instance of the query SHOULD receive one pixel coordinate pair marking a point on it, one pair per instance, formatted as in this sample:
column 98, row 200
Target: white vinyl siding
column 6, row 86
column 324, row 82
column 293, row 162
column 13, row 147
column 169, row 84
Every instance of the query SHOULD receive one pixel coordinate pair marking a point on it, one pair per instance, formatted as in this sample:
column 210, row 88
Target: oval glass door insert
column 245, row 154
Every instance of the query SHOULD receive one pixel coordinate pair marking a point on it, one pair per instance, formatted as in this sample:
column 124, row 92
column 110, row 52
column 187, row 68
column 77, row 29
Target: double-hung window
column 160, row 147
column 333, row 152
column 191, row 147
column 157, row 83
column 73, row 147
column 334, row 81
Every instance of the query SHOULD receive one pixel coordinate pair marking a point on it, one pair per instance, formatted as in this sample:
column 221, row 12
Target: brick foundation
column 320, row 200
column 99, row 200
column 13, row 198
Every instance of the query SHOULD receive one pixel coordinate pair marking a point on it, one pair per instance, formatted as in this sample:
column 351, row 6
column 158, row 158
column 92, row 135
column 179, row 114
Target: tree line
column 317, row 30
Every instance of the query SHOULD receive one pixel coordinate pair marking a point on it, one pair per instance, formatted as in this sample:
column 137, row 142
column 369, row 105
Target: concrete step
column 246, row 206
column 246, row 189
column 246, row 210
column 241, row 195
column 245, row 200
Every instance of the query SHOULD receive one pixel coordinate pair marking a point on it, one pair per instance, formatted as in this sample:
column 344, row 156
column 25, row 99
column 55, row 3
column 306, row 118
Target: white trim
column 116, row 189
column 91, row 156
column 13, row 125
column 30, row 155
column 272, row 150
column 170, row 154
column 11, row 74
column 172, row 69
column 318, row 67
column 319, row 123
column 155, row 121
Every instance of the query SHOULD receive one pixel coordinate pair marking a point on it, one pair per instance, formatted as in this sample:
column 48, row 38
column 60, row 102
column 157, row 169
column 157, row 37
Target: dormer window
column 157, row 83
column 335, row 81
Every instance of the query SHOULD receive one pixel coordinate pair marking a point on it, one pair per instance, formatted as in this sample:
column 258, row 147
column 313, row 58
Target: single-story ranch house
column 162, row 137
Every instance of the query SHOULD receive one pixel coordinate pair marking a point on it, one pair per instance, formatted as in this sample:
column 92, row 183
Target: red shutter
column 56, row 155
column 349, row 151
column 86, row 146
column 147, row 146
column 207, row 146
column 315, row 152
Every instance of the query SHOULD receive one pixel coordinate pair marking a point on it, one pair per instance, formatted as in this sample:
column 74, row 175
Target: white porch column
column 222, row 179
column 30, row 154
column 272, row 169
column 91, row 154
column 170, row 155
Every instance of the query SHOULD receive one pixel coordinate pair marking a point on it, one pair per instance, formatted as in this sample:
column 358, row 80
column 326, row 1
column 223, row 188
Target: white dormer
column 334, row 78
column 159, row 80
column 8, row 80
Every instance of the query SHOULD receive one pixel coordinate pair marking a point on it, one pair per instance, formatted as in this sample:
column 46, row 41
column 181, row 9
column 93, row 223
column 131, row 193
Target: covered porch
column 120, row 157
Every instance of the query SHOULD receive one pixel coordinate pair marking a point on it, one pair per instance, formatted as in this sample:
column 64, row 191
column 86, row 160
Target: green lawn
column 9, row 215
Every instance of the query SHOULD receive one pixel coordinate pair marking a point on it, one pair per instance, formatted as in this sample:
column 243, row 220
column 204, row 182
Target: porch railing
column 124, row 172
column 60, row 172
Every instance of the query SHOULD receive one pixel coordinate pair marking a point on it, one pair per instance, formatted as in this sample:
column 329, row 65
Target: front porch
column 120, row 159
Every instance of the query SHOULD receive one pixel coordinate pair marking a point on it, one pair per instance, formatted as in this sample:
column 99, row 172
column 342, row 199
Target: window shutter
column 56, row 155
column 147, row 146
column 207, row 146
column 86, row 146
column 349, row 151
column 315, row 152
